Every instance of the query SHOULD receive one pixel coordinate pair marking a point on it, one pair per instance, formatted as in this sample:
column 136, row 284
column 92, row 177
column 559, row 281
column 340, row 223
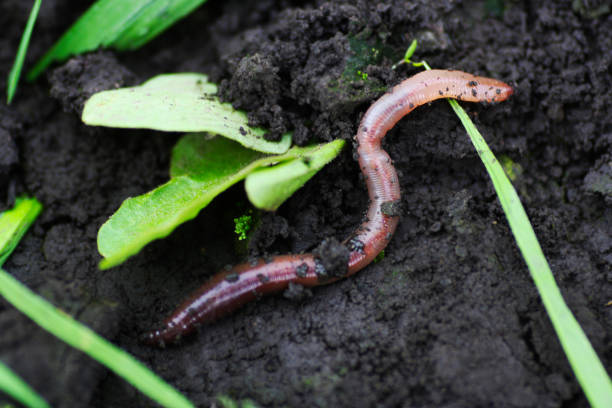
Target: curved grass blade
column 15, row 73
column 13, row 385
column 119, row 24
column 183, row 102
column 201, row 169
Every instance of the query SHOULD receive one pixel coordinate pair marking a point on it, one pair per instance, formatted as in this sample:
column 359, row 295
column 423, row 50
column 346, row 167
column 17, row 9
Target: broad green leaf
column 119, row 24
column 183, row 102
column 15, row 73
column 15, row 222
column 201, row 168
column 267, row 188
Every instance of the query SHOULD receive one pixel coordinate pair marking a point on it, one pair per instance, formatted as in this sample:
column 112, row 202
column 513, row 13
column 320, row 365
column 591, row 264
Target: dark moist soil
column 448, row 318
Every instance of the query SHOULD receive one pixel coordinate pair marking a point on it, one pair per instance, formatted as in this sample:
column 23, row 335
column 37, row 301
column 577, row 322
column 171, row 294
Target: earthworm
column 231, row 289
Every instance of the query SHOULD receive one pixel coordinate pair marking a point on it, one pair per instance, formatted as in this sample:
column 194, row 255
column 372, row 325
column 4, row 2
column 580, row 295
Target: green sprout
column 409, row 52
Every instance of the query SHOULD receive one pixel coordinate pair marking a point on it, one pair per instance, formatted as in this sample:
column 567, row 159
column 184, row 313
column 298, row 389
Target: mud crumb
column 333, row 257
column 297, row 292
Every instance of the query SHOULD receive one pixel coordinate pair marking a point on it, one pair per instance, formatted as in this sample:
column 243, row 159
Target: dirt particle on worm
column 355, row 245
column 391, row 208
column 301, row 270
column 333, row 257
column 232, row 277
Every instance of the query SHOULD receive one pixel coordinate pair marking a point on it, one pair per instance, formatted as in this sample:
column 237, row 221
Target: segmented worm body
column 231, row 289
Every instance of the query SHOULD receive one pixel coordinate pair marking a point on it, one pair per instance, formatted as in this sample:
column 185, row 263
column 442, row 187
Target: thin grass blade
column 118, row 24
column 587, row 367
column 13, row 385
column 83, row 338
column 15, row 73
column 13, row 224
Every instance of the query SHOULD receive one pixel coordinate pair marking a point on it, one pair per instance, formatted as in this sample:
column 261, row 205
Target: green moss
column 243, row 225
column 513, row 170
column 355, row 84
column 366, row 51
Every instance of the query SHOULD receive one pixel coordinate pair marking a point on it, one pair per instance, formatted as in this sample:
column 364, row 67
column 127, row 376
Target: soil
column 448, row 318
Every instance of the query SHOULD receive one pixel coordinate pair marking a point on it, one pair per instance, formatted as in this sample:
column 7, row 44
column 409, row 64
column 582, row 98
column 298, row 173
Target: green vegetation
column 201, row 168
column 66, row 328
column 14, row 223
column 184, row 102
column 511, row 168
column 379, row 257
column 584, row 361
column 587, row 367
column 244, row 223
column 118, row 24
column 13, row 385
column 15, row 73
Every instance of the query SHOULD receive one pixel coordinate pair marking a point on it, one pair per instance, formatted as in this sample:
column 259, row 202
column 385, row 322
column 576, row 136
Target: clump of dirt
column 449, row 317
column 82, row 76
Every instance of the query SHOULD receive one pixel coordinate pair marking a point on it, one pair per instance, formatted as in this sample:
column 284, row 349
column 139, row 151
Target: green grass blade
column 201, row 169
column 14, row 223
column 13, row 385
column 15, row 73
column 119, row 24
column 587, row 367
column 184, row 102
column 82, row 338
column 156, row 18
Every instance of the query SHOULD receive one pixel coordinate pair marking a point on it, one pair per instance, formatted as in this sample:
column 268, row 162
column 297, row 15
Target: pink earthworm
column 229, row 290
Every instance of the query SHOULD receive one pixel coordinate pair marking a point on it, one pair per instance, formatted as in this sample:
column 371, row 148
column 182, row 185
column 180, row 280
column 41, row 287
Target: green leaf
column 183, row 102
column 269, row 187
column 119, row 24
column 410, row 51
column 201, row 169
column 13, row 385
column 15, row 73
column 14, row 223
